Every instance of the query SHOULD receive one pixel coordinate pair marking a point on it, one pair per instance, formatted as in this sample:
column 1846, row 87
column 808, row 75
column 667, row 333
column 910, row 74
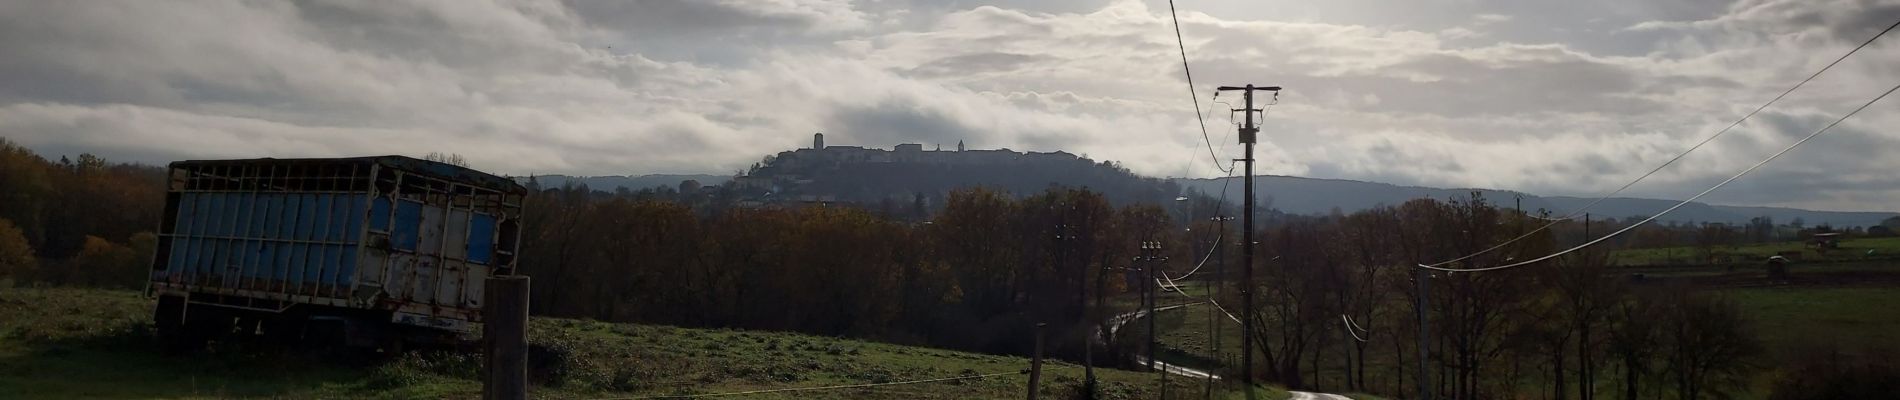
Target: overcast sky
column 1550, row 97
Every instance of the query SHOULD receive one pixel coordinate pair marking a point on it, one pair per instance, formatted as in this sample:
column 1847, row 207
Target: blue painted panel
column 261, row 206
column 332, row 263
column 247, row 215
column 187, row 214
column 191, row 256
column 229, row 226
column 233, row 264
column 267, row 260
column 177, row 261
column 202, row 215
column 299, row 258
column 408, row 219
column 320, row 225
column 280, row 270
column 213, row 220
column 353, row 224
column 234, row 258
column 260, row 259
column 337, row 211
column 320, row 258
column 280, row 211
column 181, row 228
column 207, row 255
column 251, row 249
column 481, row 238
column 287, row 216
column 200, row 210
column 379, row 214
column 346, row 273
column 306, row 216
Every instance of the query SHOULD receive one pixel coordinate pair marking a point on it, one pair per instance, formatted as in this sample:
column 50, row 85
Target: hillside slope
column 85, row 343
column 631, row 182
column 1298, row 195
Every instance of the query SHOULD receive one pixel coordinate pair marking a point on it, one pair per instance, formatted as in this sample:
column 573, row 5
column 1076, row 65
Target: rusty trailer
column 367, row 251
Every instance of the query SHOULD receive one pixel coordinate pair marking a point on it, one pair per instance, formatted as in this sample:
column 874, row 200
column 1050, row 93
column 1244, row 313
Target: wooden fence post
column 1035, row 366
column 505, row 331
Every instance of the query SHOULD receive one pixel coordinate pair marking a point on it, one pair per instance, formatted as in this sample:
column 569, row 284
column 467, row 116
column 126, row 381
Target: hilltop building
column 785, row 172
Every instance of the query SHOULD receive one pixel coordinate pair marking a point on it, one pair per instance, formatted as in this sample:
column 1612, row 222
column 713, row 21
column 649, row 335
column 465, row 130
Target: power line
column 833, row 387
column 1680, row 204
column 1349, row 328
column 1192, row 93
column 1725, row 130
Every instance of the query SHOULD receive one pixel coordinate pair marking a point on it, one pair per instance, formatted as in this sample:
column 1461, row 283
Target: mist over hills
column 1290, row 194
column 1297, row 195
column 611, row 182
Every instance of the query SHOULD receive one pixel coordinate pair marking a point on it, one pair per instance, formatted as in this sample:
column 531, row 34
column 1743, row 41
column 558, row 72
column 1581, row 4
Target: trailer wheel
column 285, row 330
column 174, row 334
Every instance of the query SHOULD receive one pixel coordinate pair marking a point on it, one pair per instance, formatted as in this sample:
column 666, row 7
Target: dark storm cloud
column 893, row 123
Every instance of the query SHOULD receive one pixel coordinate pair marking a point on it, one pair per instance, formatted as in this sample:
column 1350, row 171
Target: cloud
column 1487, row 19
column 1492, row 94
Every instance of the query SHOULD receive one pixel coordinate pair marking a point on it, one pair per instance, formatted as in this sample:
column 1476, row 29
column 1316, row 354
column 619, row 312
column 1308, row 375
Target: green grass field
column 81, row 343
column 1851, row 249
column 1796, row 319
column 1790, row 320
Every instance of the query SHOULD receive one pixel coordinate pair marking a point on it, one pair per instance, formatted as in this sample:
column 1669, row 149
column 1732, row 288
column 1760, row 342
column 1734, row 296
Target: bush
column 1831, row 375
column 16, row 255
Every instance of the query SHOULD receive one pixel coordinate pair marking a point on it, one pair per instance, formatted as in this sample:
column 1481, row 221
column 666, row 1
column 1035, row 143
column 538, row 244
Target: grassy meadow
column 89, row 343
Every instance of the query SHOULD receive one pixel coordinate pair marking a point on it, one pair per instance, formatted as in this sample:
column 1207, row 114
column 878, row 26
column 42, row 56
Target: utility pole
column 1423, row 278
column 1247, row 138
column 1213, row 292
column 1153, row 251
column 1148, row 250
column 1520, row 214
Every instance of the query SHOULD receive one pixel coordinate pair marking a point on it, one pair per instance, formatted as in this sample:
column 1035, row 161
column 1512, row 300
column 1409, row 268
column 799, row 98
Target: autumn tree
column 25, row 189
column 16, row 255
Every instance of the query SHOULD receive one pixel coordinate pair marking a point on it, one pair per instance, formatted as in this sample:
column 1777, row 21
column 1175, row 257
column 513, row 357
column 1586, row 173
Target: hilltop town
column 913, row 174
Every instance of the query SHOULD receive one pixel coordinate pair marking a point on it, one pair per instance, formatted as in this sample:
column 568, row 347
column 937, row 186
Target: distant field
column 1791, row 320
column 1794, row 319
column 77, row 343
column 1851, row 249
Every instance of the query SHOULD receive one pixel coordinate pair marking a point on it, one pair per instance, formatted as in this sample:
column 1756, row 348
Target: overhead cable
column 1698, row 145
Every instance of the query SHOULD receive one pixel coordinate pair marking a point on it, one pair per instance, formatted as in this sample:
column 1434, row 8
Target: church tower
column 959, row 145
column 818, row 141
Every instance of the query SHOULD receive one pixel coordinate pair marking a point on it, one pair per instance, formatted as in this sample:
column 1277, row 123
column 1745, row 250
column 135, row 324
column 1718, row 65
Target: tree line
column 1571, row 327
column 977, row 275
column 980, row 271
column 81, row 221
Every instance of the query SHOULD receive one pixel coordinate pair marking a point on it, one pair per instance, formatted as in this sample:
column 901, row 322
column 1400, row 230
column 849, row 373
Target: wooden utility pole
column 1423, row 279
column 1247, row 139
column 1149, row 249
column 1586, row 228
column 1035, row 365
column 1213, row 292
column 505, row 330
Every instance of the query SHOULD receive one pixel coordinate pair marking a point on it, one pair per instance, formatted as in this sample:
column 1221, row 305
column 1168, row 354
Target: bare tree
column 447, row 158
column 1710, row 346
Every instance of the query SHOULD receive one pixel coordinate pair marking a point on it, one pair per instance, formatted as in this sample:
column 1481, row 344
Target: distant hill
column 1025, row 173
column 1298, row 195
column 609, row 183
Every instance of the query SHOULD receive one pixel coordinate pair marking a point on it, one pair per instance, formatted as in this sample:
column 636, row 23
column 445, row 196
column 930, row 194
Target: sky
column 1549, row 97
